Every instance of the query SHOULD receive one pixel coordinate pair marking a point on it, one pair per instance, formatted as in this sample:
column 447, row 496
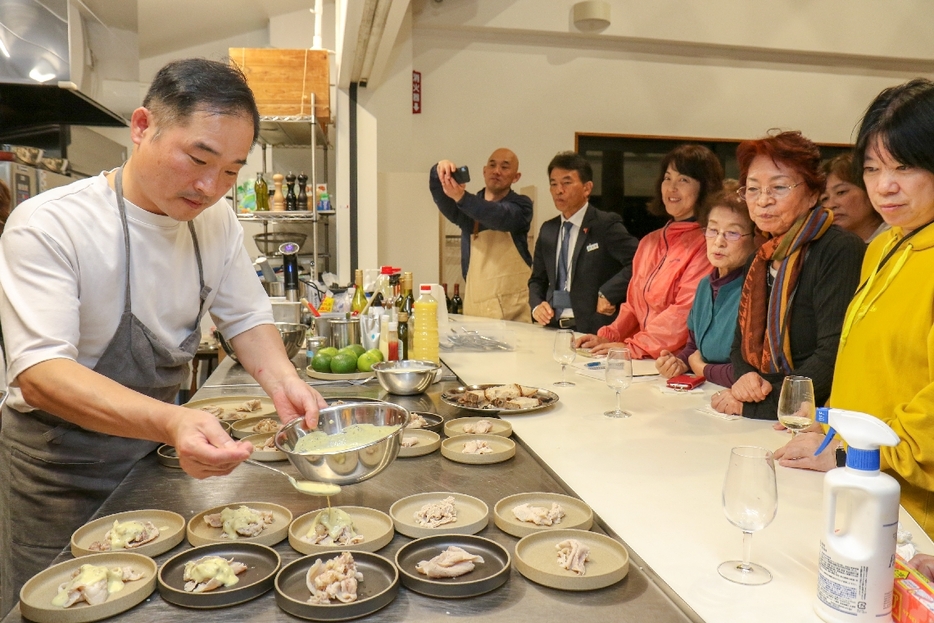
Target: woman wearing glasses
column 731, row 239
column 885, row 364
column 669, row 262
column 797, row 285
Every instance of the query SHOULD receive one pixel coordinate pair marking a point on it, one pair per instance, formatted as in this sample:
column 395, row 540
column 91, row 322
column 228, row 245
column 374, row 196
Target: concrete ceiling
column 167, row 25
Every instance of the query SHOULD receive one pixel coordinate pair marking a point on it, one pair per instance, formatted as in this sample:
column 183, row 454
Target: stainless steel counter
column 150, row 485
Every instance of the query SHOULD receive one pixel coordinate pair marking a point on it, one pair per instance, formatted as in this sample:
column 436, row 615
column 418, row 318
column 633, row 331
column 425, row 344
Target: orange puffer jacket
column 665, row 271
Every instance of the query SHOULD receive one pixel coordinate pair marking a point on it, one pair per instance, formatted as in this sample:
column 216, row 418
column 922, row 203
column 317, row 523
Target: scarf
column 763, row 319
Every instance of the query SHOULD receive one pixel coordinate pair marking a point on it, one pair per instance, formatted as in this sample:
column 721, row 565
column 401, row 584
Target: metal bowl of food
column 406, row 377
column 292, row 334
column 353, row 442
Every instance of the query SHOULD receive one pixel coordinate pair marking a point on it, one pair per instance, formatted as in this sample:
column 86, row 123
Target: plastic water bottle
column 425, row 337
column 856, row 568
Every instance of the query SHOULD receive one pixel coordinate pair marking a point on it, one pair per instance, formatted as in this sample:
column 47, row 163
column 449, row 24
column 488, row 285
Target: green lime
column 375, row 352
column 356, row 349
column 330, row 351
column 343, row 363
column 321, row 362
column 366, row 360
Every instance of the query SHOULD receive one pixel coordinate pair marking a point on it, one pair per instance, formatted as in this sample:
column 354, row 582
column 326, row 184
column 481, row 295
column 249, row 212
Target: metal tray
column 450, row 396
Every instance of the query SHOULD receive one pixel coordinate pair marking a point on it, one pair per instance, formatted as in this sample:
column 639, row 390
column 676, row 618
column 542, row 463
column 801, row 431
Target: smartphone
column 685, row 382
column 461, row 175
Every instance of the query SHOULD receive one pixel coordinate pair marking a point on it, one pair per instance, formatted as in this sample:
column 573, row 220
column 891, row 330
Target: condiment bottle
column 261, row 190
column 393, row 341
column 358, row 302
column 403, row 333
column 425, row 338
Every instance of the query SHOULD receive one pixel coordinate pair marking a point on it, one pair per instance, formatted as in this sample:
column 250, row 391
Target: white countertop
column 655, row 479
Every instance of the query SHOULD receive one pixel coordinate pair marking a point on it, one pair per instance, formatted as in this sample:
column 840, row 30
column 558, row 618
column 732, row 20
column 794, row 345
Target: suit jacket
column 602, row 262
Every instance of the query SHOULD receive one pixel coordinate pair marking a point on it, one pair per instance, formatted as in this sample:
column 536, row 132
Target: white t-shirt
column 62, row 276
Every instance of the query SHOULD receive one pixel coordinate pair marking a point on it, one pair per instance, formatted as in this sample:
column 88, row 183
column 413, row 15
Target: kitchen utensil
column 292, row 334
column 407, row 377
column 268, row 243
column 344, row 332
column 302, row 486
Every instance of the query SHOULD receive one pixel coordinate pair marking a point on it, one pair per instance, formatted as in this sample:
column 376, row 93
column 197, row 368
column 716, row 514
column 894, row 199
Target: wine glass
column 564, row 354
column 750, row 500
column 618, row 377
column 796, row 403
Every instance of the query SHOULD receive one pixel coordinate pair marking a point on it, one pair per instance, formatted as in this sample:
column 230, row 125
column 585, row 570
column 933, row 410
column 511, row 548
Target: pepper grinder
column 302, row 203
column 290, row 198
column 278, row 202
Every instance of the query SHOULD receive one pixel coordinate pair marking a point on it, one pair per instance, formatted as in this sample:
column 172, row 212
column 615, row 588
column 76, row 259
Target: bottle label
column 849, row 588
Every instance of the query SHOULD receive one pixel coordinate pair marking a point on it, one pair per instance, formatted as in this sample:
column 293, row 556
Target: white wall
column 519, row 74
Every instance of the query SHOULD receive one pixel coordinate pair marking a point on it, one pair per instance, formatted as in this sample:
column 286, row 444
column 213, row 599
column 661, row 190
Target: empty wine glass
column 750, row 501
column 618, row 377
column 564, row 354
column 796, row 403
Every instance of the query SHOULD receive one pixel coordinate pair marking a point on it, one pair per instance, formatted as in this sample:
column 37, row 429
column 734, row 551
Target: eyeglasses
column 778, row 191
column 730, row 236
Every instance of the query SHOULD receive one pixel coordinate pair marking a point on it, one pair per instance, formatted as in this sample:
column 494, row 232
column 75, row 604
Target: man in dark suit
column 583, row 258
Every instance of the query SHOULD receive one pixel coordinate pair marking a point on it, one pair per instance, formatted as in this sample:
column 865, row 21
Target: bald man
column 494, row 224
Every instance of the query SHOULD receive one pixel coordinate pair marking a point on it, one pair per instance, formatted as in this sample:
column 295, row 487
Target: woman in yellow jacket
column 885, row 364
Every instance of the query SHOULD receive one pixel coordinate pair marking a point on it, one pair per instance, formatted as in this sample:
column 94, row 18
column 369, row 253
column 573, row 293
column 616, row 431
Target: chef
column 103, row 285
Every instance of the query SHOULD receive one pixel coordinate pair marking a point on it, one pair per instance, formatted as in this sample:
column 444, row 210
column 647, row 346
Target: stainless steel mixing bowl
column 406, row 377
column 292, row 334
column 346, row 467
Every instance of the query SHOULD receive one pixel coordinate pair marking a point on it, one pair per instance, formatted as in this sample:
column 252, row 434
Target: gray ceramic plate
column 455, row 427
column 375, row 526
column 199, row 533
column 433, row 421
column 171, row 532
column 537, row 559
column 230, row 404
column 473, row 514
column 577, row 514
column 428, row 442
column 37, row 594
column 450, row 397
column 379, row 587
column 503, row 448
column 486, row 576
column 262, row 565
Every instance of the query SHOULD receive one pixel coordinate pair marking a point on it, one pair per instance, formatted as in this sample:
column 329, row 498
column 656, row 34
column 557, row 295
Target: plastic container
column 856, row 573
column 425, row 334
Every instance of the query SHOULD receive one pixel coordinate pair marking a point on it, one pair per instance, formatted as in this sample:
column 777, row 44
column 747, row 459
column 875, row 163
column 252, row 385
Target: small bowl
column 407, row 377
column 292, row 334
column 346, row 467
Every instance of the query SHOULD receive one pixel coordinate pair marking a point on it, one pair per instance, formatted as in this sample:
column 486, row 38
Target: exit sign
column 416, row 92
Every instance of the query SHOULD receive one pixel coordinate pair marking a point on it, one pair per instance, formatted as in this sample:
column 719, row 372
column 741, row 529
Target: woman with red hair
column 797, row 285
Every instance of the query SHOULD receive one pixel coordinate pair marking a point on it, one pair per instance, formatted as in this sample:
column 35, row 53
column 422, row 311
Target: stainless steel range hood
column 60, row 59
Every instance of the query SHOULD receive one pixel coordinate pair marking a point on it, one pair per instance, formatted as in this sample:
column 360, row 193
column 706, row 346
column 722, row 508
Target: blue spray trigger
column 822, row 415
column 831, row 433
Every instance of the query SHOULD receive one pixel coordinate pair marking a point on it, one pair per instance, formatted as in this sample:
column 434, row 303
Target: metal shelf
column 293, row 131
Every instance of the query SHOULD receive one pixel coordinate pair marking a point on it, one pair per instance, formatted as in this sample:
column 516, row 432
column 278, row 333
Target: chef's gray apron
column 59, row 473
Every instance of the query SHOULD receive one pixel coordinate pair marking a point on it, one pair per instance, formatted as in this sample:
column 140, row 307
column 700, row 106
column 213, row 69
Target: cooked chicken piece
column 335, row 579
column 266, row 425
column 436, row 514
column 521, row 403
column 475, row 398
column 528, row 392
column 451, row 563
column 210, row 572
column 333, row 527
column 126, row 535
column 501, row 393
column 408, row 442
column 539, row 515
column 93, row 584
column 244, row 521
column 417, row 421
column 249, row 406
column 572, row 555
column 268, row 446
column 477, row 447
column 213, row 410
column 478, row 428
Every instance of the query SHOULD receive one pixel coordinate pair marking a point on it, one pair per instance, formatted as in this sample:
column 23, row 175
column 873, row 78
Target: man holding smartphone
column 494, row 224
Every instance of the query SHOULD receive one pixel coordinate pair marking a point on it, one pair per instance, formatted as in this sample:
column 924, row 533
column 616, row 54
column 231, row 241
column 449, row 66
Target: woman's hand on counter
column 668, row 365
column 294, row 399
column 724, row 402
column 751, row 388
column 203, row 448
column 799, row 453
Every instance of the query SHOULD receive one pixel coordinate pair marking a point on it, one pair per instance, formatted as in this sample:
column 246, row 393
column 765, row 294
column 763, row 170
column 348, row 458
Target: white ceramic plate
column 428, row 442
column 244, row 428
column 577, row 514
column 171, row 532
column 537, row 559
column 375, row 525
column 264, row 455
column 455, row 427
column 230, row 404
column 473, row 514
column 504, row 449
column 199, row 533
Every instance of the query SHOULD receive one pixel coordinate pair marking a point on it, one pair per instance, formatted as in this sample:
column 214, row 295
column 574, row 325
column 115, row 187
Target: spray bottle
column 855, row 572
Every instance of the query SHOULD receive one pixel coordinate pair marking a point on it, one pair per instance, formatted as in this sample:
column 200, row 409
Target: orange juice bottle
column 425, row 335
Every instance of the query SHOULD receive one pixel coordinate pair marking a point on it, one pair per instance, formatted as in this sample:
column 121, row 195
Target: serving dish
column 244, row 428
column 473, row 514
column 262, row 565
column 428, row 442
column 230, row 403
column 450, row 396
column 504, row 449
column 37, row 593
column 577, row 514
column 199, row 533
column 492, row 573
column 407, row 377
column 332, row 376
column 171, row 532
column 433, row 421
column 537, row 559
column 455, row 427
column 375, row 525
column 168, row 456
column 264, row 455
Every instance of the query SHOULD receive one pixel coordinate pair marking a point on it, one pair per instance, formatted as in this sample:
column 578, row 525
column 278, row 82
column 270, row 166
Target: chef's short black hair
column 186, row 86
column 572, row 161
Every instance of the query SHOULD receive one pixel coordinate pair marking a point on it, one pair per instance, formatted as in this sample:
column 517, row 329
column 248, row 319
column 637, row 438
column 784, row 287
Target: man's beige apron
column 497, row 278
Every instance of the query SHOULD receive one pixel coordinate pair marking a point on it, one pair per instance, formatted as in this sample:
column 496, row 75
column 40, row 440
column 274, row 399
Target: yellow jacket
column 885, row 364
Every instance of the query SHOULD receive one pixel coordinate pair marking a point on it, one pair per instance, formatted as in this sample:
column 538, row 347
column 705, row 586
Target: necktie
column 563, row 256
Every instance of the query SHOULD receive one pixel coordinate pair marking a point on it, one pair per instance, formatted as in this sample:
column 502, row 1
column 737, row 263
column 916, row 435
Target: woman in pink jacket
column 669, row 262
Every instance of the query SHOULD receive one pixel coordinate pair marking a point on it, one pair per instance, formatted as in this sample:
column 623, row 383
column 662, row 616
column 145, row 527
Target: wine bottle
column 261, row 190
column 457, row 303
column 408, row 299
column 359, row 298
column 447, row 299
column 403, row 332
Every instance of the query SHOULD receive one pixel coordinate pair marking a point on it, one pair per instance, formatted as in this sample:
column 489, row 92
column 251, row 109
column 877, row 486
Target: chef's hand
column 924, row 564
column 543, row 313
column 668, row 365
column 451, row 188
column 751, row 388
column 604, row 306
column 294, row 398
column 204, row 449
column 724, row 402
column 799, row 452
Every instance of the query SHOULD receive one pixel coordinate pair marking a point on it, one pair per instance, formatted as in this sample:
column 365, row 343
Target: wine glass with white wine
column 618, row 377
column 564, row 353
column 750, row 501
column 796, row 407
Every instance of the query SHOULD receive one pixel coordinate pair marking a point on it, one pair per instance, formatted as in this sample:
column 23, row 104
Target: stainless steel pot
column 321, row 325
column 345, row 332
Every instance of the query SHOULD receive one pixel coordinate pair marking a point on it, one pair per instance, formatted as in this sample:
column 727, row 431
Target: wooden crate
column 283, row 80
